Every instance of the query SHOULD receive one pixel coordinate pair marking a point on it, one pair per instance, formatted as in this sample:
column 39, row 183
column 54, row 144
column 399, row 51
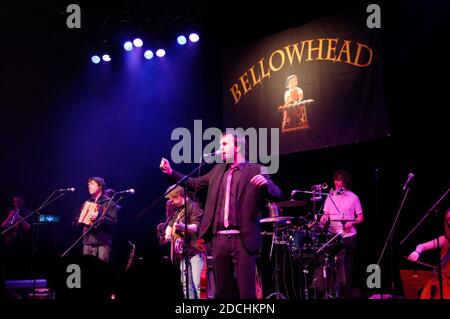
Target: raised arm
column 201, row 182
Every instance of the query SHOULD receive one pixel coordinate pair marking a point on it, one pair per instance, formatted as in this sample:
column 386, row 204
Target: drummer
column 343, row 211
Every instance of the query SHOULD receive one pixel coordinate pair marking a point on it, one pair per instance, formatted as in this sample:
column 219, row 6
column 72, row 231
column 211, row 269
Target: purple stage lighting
column 181, row 40
column 160, row 53
column 128, row 46
column 95, row 59
column 194, row 37
column 106, row 57
column 138, row 43
column 148, row 54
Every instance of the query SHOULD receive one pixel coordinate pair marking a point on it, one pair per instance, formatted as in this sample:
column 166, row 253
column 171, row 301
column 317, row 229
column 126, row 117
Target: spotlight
column 128, row 46
column 160, row 53
column 148, row 54
column 106, row 57
column 194, row 37
column 181, row 40
column 138, row 43
column 95, row 59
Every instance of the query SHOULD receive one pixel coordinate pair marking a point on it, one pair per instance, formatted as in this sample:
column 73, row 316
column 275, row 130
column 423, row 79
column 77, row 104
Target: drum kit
column 305, row 238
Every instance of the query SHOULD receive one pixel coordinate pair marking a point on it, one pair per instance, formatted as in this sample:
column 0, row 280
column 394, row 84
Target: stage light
column 194, row 37
column 181, row 40
column 128, row 46
column 138, row 43
column 148, row 54
column 95, row 59
column 160, row 53
column 106, row 57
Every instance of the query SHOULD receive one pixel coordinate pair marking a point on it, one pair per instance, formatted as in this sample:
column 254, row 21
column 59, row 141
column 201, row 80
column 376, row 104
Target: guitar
column 177, row 242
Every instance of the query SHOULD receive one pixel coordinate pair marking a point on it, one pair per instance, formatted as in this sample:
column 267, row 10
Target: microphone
column 410, row 177
column 212, row 154
column 128, row 191
column 340, row 191
column 66, row 190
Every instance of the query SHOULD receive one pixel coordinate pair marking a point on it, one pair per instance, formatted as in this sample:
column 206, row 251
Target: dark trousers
column 346, row 261
column 234, row 268
column 101, row 252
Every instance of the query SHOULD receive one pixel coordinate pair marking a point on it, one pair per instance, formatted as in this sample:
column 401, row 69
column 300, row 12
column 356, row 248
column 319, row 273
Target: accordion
column 89, row 213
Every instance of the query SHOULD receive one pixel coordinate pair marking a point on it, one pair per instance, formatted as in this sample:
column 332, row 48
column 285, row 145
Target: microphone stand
column 181, row 181
column 425, row 217
column 96, row 223
column 388, row 242
column 439, row 267
column 34, row 232
column 187, row 262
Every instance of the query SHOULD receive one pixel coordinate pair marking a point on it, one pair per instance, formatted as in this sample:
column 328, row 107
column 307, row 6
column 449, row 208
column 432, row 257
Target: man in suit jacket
column 236, row 197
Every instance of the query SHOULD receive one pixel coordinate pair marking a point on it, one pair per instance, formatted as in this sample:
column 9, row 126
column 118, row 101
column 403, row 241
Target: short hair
column 344, row 176
column 100, row 182
column 175, row 191
column 289, row 78
column 239, row 140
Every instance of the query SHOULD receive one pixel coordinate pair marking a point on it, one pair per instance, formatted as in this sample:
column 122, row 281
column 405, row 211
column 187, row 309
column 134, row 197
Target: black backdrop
column 338, row 64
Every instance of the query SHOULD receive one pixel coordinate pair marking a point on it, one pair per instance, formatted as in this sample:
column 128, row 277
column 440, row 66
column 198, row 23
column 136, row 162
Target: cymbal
column 292, row 203
column 275, row 219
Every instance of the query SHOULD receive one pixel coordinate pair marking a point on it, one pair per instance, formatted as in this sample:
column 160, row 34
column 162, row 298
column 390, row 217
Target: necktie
column 227, row 197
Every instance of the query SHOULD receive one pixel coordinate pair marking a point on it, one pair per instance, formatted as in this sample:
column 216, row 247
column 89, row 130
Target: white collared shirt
column 345, row 207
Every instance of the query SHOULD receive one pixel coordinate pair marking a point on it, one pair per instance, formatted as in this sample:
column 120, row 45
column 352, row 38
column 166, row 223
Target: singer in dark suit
column 235, row 199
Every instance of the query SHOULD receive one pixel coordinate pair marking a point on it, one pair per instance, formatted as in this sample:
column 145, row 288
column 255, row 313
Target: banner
column 320, row 84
